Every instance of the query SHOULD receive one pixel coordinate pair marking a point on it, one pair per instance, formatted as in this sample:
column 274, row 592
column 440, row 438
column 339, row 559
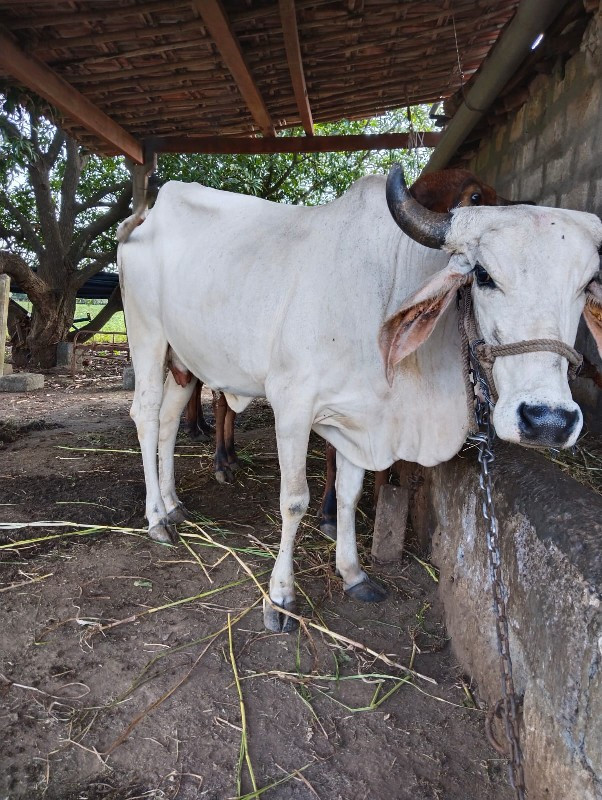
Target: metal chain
column 508, row 704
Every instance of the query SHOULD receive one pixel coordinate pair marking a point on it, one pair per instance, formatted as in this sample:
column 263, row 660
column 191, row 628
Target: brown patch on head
column 452, row 188
column 475, row 193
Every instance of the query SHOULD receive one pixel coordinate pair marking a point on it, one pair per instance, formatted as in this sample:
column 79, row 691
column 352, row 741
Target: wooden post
column 390, row 523
column 140, row 173
column 4, row 300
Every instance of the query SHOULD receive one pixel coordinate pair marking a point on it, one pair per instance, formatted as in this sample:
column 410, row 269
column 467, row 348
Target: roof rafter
column 32, row 73
column 213, row 15
column 290, row 31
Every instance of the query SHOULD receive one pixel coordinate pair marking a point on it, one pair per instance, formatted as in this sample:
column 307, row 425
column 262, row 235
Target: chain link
column 508, row 705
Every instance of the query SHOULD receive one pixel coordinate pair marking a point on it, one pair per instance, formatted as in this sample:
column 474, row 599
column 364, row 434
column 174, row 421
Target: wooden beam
column 288, row 17
column 29, row 71
column 213, row 15
column 289, row 144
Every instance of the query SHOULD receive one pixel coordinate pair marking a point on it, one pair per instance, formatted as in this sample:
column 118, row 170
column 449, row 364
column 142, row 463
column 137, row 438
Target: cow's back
column 244, row 287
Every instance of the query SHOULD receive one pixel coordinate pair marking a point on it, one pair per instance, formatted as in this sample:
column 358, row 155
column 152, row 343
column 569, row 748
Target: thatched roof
column 240, row 67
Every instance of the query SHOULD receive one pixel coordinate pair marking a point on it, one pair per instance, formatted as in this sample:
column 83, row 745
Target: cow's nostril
column 546, row 425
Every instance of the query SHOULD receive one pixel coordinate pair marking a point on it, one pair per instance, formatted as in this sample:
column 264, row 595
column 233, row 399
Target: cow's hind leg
column 148, row 358
column 292, row 436
column 224, row 424
column 175, row 398
column 233, row 463
column 196, row 424
column 327, row 519
column 355, row 581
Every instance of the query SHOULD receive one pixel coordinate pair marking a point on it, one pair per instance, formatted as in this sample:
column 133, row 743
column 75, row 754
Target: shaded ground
column 113, row 681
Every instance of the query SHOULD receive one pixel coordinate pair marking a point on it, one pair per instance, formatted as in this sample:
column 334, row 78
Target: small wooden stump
column 390, row 523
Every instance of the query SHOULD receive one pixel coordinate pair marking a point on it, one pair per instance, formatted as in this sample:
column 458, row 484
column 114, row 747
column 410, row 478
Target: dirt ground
column 116, row 674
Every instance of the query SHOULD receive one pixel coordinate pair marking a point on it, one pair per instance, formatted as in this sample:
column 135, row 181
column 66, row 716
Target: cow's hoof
column 178, row 514
column 233, row 466
column 367, row 591
column 200, row 436
column 277, row 620
column 329, row 529
column 224, row 475
column 164, row 532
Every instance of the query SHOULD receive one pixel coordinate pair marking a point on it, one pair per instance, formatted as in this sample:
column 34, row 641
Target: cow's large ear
column 412, row 325
column 593, row 310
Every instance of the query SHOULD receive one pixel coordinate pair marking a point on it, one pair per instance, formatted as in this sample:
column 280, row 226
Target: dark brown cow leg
column 190, row 413
column 223, row 473
column 327, row 518
column 229, row 440
column 196, row 424
column 204, row 429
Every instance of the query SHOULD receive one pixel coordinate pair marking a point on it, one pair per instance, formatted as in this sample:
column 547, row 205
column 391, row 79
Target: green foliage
column 26, row 138
column 307, row 179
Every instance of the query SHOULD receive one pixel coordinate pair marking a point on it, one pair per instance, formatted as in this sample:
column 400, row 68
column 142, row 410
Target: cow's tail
column 127, row 226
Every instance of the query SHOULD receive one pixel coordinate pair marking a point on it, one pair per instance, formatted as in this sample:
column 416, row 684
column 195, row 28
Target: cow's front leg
column 294, row 499
column 355, row 581
column 175, row 398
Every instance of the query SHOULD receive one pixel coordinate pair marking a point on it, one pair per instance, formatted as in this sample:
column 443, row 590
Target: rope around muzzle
column 473, row 346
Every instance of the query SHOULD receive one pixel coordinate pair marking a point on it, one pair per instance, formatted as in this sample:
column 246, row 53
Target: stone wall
column 551, row 542
column 550, row 151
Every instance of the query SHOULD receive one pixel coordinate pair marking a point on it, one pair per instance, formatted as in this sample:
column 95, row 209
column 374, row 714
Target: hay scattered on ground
column 582, row 462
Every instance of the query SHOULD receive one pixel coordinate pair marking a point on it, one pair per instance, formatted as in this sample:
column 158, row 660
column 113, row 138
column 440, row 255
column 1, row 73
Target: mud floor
column 117, row 678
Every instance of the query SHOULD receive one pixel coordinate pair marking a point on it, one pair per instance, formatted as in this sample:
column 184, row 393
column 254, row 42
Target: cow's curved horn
column 426, row 227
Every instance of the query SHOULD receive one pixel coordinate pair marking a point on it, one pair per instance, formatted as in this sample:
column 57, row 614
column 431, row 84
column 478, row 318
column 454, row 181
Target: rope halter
column 474, row 346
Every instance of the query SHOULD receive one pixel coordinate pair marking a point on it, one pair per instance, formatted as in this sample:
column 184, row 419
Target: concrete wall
column 551, row 539
column 550, row 151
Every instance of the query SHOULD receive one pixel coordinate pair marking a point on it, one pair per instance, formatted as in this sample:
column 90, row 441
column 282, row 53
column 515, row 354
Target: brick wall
column 550, row 151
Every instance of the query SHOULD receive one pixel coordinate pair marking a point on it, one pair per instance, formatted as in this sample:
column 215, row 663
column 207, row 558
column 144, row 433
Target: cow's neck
column 426, row 405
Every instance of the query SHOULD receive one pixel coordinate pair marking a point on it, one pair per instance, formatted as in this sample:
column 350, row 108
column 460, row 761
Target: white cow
column 331, row 314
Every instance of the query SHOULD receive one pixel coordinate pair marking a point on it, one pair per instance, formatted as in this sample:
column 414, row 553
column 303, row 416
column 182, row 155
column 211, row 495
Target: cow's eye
column 483, row 277
column 475, row 199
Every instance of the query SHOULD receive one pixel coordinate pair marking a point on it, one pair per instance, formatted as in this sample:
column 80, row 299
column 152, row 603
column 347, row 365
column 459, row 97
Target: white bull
column 320, row 319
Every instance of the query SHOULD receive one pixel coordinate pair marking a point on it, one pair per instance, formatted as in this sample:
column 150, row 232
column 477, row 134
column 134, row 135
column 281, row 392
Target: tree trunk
column 50, row 323
column 61, row 234
column 51, row 318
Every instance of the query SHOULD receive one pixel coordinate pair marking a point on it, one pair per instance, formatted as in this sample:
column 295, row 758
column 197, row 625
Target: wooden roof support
column 289, row 144
column 37, row 76
column 213, row 15
column 290, row 31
